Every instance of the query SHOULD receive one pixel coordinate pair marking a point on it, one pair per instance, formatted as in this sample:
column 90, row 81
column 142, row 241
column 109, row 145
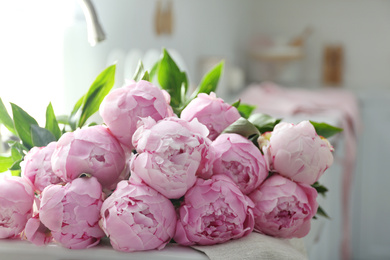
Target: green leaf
column 18, row 150
column 5, row 119
column 153, row 71
column 96, row 93
column 146, row 76
column 16, row 173
column 245, row 110
column 321, row 189
column 184, row 86
column 242, row 127
column 263, row 122
column 51, row 122
column 209, row 82
column 237, row 103
column 5, row 163
column 23, row 123
column 63, row 119
column 92, row 124
column 41, row 136
column 321, row 212
column 75, row 115
column 139, row 71
column 16, row 165
column 171, row 78
column 325, row 130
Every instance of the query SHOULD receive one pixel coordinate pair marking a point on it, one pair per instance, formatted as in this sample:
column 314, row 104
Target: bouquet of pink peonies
column 164, row 167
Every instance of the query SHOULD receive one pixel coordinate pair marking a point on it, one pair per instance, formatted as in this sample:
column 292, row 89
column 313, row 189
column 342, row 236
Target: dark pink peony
column 238, row 158
column 214, row 211
column 284, row 208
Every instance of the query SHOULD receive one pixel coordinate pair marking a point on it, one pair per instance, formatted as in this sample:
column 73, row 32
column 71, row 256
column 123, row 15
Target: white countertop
column 24, row 250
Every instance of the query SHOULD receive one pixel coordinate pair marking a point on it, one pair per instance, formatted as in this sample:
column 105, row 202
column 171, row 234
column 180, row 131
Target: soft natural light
column 31, row 53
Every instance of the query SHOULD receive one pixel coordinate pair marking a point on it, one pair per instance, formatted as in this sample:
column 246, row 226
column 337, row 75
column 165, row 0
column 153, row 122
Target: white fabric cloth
column 256, row 246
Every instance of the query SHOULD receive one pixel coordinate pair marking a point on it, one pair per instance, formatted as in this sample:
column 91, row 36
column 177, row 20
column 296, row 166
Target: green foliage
column 325, row 130
column 321, row 212
column 23, row 122
column 26, row 128
column 41, row 136
column 5, row 163
column 51, row 122
column 242, row 127
column 139, row 71
column 322, row 190
column 209, row 81
column 175, row 81
column 96, row 93
column 263, row 122
column 245, row 110
column 171, row 78
column 5, row 119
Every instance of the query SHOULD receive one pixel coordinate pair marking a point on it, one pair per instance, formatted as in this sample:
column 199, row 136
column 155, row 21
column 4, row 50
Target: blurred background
column 315, row 46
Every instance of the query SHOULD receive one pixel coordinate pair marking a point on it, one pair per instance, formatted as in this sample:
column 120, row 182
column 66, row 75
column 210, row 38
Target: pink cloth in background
column 275, row 100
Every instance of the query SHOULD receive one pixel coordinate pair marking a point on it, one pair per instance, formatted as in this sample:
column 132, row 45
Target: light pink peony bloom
column 284, row 208
column 36, row 232
column 239, row 159
column 297, row 152
column 36, row 166
column 122, row 108
column 91, row 150
column 214, row 211
column 16, row 205
column 72, row 212
column 170, row 154
column 137, row 218
column 211, row 111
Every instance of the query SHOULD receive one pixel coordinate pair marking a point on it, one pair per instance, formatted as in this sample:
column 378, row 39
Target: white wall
column 203, row 28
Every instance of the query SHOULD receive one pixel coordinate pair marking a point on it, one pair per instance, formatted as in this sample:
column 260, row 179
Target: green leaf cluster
column 175, row 81
column 325, row 130
column 252, row 126
column 30, row 134
column 89, row 103
column 322, row 190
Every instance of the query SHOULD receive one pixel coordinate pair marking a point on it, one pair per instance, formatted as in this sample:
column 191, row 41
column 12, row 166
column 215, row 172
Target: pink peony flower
column 36, row 166
column 36, row 232
column 72, row 212
column 211, row 111
column 136, row 217
column 170, row 154
column 239, row 159
column 91, row 150
column 122, row 108
column 284, row 208
column 214, row 211
column 297, row 152
column 16, row 205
